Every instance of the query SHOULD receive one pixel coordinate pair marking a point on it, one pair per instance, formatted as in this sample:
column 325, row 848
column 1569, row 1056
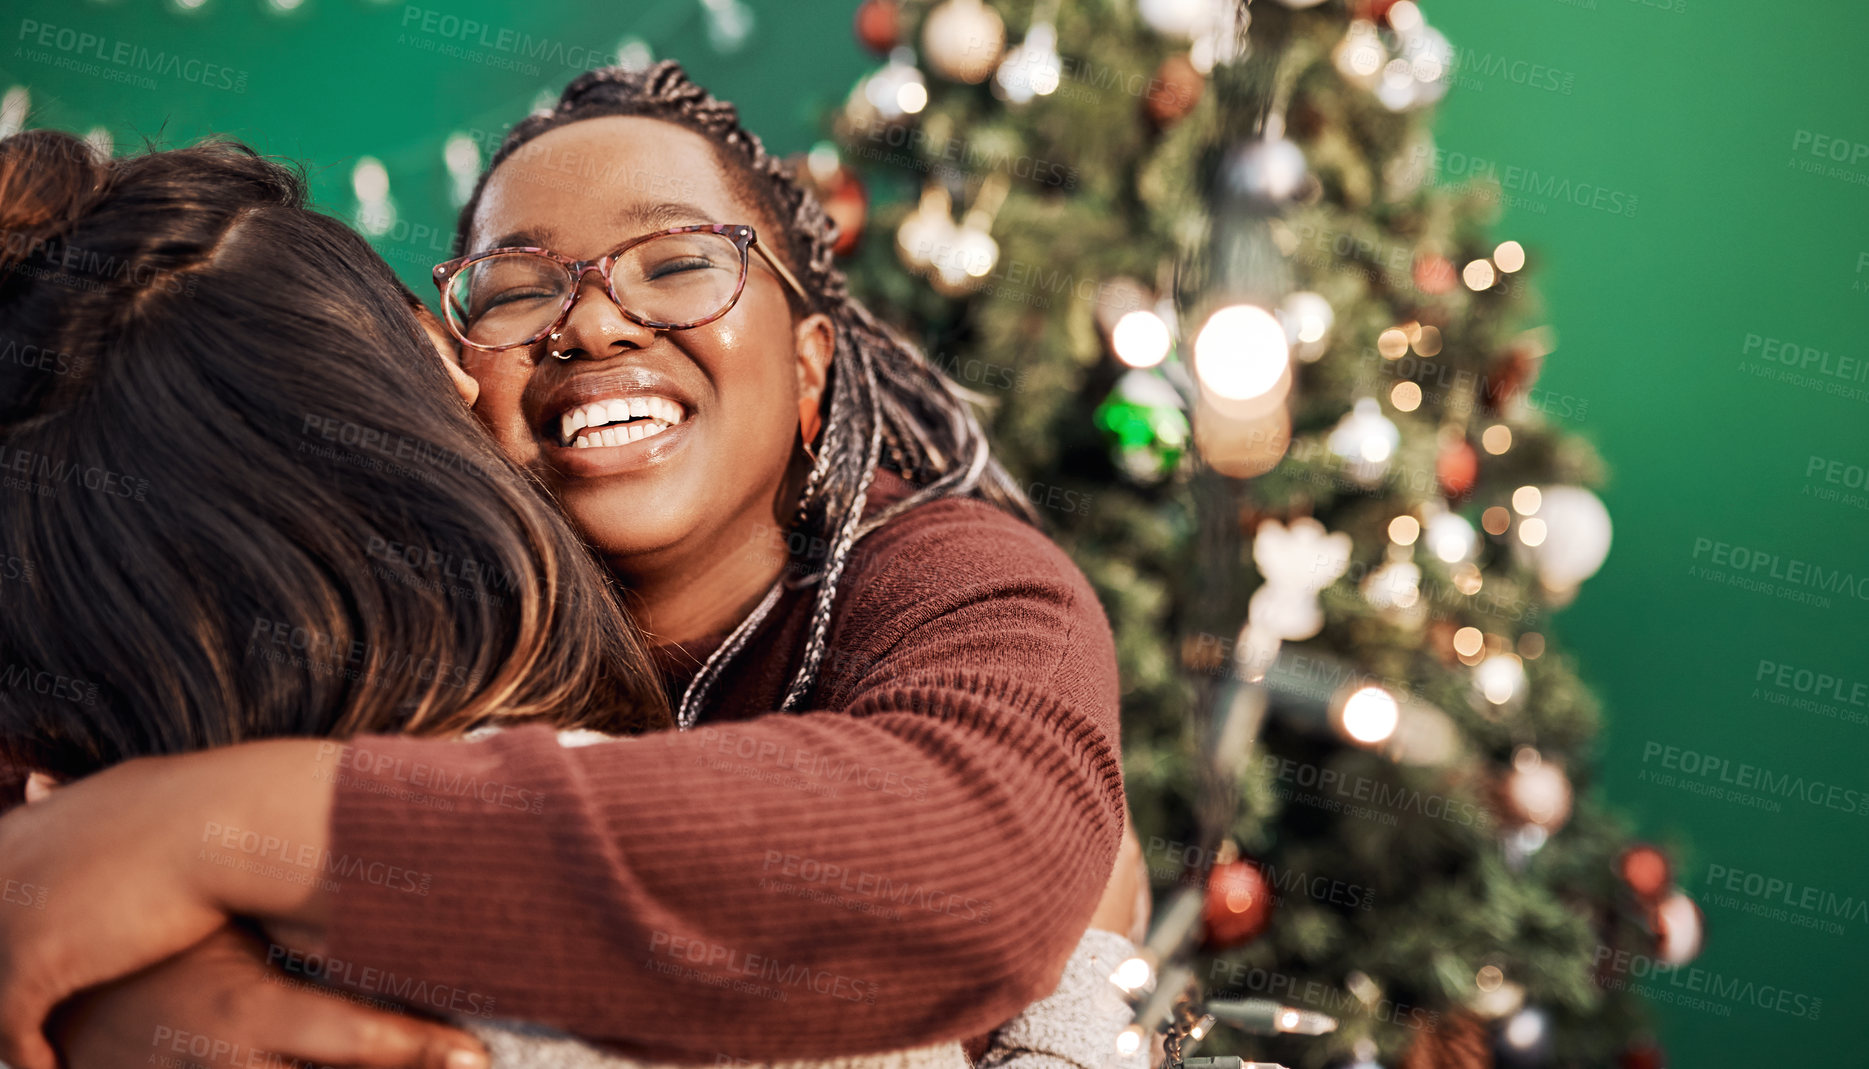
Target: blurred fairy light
column 634, row 54
column 729, row 24
column 1469, row 641
column 1403, row 530
column 1141, row 339
column 1405, row 17
column 1392, row 343
column 1133, row 975
column 1495, row 520
column 1370, row 715
column 461, row 155
column 1532, row 531
column 1500, row 679
column 1406, row 397
column 369, row 180
column 1496, row 439
column 1451, row 538
column 898, row 88
column 284, row 5
column 1526, row 500
column 1129, row 1040
column 1509, row 256
column 1478, row 275
column 1241, row 353
column 14, row 107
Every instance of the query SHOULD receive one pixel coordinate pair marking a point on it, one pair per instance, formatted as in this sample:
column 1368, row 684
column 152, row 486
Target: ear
column 450, row 353
column 39, row 787
column 814, row 340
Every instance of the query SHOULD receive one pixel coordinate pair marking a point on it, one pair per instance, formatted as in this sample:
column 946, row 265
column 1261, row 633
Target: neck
column 703, row 587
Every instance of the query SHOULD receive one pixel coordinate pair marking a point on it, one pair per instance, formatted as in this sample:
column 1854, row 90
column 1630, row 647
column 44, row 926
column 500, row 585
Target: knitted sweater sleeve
column 911, row 863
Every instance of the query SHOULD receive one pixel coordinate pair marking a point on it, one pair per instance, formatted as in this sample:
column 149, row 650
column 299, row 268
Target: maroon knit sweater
column 910, row 862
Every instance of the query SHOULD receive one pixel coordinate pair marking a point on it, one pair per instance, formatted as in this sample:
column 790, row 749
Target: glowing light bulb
column 1241, row 353
column 1129, row 1040
column 1510, row 256
column 1133, row 975
column 1370, row 715
column 1406, row 397
column 1141, row 339
column 1526, row 500
column 1403, row 530
column 1478, row 275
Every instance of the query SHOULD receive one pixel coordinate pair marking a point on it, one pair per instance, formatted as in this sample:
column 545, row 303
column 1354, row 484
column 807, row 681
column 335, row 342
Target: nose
column 596, row 328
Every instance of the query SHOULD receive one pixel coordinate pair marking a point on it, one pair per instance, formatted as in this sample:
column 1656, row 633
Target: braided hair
column 884, row 394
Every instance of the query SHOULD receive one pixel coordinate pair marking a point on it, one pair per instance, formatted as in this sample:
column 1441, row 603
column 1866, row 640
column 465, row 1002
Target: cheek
column 502, row 387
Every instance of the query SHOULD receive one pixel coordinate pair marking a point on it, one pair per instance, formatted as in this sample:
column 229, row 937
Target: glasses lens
column 508, row 299
column 679, row 278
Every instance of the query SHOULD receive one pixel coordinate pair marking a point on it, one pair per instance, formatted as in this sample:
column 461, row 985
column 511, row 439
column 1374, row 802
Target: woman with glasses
column 902, row 799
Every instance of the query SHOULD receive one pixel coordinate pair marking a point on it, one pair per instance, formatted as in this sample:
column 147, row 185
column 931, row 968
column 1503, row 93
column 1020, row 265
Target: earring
column 556, row 353
column 809, row 423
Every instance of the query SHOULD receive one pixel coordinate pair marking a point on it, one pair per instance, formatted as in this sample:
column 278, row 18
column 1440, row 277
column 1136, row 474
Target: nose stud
column 555, row 352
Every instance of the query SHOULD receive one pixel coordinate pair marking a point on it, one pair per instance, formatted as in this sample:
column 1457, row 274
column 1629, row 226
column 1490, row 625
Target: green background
column 1697, row 112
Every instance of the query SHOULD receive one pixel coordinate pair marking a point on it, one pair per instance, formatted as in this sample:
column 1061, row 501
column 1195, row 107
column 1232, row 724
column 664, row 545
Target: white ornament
column 1268, row 172
column 1307, row 318
column 898, row 88
column 1032, row 69
column 1577, row 537
column 1177, row 18
column 1366, row 441
column 1297, row 562
column 963, row 40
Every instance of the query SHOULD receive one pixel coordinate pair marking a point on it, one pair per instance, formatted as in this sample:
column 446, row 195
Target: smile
column 619, row 421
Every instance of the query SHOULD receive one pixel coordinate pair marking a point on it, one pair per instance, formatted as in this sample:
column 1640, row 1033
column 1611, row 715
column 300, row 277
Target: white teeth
column 610, row 422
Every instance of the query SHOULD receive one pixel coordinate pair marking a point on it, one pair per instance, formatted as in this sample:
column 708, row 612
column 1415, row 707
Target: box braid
column 885, row 396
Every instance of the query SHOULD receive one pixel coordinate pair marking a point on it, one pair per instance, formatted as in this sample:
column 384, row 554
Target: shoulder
column 953, row 547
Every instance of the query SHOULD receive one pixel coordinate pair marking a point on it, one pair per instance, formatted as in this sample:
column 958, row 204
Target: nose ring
column 555, row 352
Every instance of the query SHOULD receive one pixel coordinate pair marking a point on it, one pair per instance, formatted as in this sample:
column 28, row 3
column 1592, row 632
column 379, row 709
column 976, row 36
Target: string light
column 1468, row 641
column 1406, row 397
column 1526, row 500
column 1241, row 353
column 1370, row 715
column 1478, row 275
column 1510, row 256
column 1141, row 339
column 1496, row 439
column 1531, row 645
column 1428, row 342
column 1403, row 530
column 1133, row 975
column 1532, row 531
column 1495, row 520
column 1392, row 343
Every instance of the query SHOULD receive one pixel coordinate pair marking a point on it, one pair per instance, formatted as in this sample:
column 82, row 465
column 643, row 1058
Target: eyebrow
column 641, row 217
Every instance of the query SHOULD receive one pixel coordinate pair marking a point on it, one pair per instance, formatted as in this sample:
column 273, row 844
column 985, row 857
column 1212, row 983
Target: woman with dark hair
column 904, row 797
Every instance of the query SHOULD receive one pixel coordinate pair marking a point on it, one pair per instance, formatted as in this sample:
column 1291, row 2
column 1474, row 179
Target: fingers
column 326, row 1030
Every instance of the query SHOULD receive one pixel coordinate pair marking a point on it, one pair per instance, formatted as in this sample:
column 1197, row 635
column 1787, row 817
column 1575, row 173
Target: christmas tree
column 1273, row 386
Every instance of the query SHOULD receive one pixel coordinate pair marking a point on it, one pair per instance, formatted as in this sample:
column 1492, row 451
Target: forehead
column 587, row 186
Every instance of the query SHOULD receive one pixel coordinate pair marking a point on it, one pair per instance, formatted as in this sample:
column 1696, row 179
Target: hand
column 1124, row 908
column 220, row 997
column 117, row 870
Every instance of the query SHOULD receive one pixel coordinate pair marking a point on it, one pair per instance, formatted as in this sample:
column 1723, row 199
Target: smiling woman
column 922, row 696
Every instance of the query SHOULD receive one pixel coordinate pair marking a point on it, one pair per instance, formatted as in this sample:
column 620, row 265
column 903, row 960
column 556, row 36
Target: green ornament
column 1147, row 424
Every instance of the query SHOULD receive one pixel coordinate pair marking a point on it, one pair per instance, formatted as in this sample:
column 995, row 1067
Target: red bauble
column 1646, row 871
column 879, row 25
column 1642, row 1056
column 1238, row 906
column 849, row 207
column 1374, row 10
column 1457, row 467
column 1434, row 275
column 1174, row 91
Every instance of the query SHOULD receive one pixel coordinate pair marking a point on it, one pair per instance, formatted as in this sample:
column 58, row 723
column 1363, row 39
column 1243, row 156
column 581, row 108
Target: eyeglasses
column 686, row 276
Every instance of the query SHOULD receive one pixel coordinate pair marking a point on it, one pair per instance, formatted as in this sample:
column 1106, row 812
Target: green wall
column 1692, row 177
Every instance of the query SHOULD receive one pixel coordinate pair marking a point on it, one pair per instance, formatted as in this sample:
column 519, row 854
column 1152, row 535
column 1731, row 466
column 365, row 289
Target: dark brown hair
column 886, row 399
column 242, row 498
